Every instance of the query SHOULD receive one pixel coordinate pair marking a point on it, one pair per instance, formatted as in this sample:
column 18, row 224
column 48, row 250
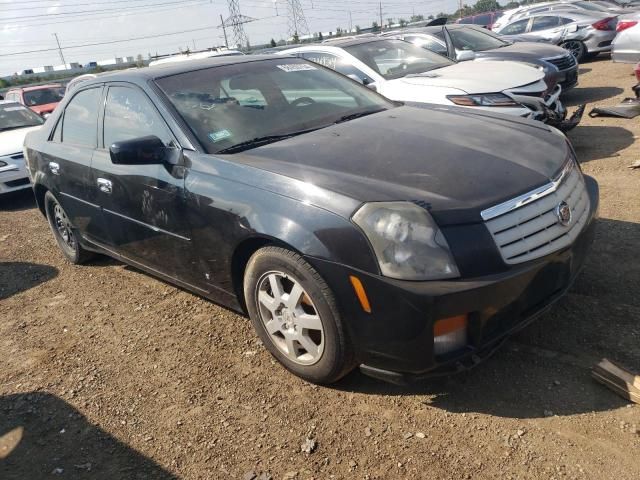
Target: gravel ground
column 107, row 373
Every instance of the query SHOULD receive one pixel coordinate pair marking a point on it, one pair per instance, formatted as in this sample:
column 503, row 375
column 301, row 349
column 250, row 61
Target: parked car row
column 409, row 239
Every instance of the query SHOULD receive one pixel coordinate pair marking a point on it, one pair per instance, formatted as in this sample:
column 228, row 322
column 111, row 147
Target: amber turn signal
column 360, row 293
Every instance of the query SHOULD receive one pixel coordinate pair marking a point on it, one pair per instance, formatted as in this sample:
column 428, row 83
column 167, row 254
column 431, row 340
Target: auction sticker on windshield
column 219, row 135
column 296, row 67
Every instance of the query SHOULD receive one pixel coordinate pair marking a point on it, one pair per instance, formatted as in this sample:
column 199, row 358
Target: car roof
column 176, row 68
column 38, row 87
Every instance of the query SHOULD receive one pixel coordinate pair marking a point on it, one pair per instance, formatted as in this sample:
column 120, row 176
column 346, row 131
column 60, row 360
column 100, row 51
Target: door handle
column 54, row 168
column 105, row 185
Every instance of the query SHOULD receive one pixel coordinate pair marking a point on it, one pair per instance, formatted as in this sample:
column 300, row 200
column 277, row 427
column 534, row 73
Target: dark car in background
column 353, row 230
column 42, row 99
column 458, row 41
column 484, row 20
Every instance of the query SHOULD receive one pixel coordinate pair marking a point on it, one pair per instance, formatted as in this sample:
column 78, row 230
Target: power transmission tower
column 297, row 21
column 236, row 20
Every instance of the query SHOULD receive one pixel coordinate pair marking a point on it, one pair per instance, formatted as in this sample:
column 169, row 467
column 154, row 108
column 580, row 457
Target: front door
column 143, row 204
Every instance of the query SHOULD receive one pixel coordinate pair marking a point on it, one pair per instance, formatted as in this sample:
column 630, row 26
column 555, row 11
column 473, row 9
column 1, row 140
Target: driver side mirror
column 465, row 55
column 147, row 150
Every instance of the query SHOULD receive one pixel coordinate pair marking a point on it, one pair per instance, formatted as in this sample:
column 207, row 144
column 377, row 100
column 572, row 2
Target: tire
column 281, row 321
column 577, row 48
column 63, row 231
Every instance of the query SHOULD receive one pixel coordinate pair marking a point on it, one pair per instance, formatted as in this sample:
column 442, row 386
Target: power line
column 98, row 11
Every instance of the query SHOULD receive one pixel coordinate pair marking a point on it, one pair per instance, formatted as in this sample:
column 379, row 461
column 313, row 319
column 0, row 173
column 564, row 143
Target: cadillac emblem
column 563, row 212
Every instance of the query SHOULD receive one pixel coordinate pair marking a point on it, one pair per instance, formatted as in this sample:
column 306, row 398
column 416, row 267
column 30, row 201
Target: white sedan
column 16, row 121
column 404, row 72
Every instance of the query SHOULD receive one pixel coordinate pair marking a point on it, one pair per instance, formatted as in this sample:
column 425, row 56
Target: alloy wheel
column 574, row 47
column 290, row 318
column 63, row 226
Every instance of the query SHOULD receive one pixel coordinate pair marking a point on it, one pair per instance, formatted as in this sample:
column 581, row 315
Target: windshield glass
column 43, row 96
column 475, row 40
column 591, row 6
column 397, row 58
column 14, row 115
column 233, row 104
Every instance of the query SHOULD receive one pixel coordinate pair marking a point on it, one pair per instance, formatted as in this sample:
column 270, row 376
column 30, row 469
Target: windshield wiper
column 353, row 116
column 259, row 141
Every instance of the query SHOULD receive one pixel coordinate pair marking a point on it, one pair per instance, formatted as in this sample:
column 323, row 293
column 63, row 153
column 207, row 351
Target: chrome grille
column 563, row 62
column 528, row 227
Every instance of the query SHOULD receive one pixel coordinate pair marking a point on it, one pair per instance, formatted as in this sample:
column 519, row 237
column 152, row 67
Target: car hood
column 11, row 141
column 46, row 108
column 526, row 49
column 455, row 161
column 477, row 77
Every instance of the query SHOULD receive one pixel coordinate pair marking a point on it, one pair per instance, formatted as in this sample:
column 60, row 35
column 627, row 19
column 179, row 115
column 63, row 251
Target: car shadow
column 545, row 369
column 582, row 71
column 17, row 201
column 42, row 436
column 580, row 95
column 589, row 146
column 16, row 277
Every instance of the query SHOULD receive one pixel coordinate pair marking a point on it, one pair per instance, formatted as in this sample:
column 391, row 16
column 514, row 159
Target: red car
column 42, row 99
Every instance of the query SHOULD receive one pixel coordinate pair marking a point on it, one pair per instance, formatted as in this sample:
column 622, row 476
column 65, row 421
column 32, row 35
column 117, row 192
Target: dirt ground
column 107, row 373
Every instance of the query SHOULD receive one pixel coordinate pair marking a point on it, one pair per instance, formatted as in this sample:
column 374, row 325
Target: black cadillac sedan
column 352, row 230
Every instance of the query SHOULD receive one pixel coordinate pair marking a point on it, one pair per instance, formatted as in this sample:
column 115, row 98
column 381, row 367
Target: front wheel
column 63, row 231
column 294, row 313
column 577, row 49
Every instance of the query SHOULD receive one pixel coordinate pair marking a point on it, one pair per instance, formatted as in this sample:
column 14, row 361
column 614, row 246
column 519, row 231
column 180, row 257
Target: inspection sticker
column 296, row 67
column 219, row 135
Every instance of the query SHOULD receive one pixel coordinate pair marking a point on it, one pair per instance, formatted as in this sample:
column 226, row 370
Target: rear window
column 43, row 96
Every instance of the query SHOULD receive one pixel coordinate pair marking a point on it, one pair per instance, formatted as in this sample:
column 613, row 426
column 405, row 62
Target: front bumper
column 13, row 176
column 395, row 342
column 550, row 110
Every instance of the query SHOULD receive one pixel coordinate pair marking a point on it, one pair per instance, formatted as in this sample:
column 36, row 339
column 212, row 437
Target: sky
column 29, row 25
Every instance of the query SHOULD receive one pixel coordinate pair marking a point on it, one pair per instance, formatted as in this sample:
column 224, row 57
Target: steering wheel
column 301, row 100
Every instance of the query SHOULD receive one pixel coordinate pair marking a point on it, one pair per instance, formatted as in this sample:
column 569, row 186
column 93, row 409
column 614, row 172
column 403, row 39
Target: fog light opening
column 360, row 293
column 449, row 334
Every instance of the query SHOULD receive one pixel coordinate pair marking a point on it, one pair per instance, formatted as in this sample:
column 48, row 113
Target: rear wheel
column 295, row 315
column 64, row 232
column 577, row 49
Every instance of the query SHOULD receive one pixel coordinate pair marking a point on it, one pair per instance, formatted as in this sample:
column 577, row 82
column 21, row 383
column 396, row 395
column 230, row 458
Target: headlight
column 486, row 100
column 406, row 241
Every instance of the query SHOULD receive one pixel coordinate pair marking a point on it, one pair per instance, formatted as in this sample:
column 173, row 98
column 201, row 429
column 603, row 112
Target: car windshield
column 231, row 108
column 397, row 58
column 43, row 96
column 591, row 6
column 14, row 115
column 474, row 40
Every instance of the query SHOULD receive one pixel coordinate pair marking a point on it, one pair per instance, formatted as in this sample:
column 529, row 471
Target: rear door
column 68, row 157
column 143, row 205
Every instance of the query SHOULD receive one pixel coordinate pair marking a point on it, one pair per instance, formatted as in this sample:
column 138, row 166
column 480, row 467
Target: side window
column 484, row 19
column 543, row 23
column 515, row 28
column 129, row 114
column 80, row 121
column 565, row 21
column 428, row 43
